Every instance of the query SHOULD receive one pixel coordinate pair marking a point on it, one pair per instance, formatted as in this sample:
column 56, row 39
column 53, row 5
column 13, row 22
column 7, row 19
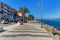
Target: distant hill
column 49, row 19
column 55, row 19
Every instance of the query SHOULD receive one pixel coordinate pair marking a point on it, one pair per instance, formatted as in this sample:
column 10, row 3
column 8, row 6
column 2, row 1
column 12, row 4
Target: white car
column 2, row 21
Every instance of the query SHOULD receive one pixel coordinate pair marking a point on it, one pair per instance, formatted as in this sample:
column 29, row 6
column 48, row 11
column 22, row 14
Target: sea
column 53, row 22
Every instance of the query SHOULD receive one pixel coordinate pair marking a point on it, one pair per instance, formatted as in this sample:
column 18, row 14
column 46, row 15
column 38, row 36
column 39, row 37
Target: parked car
column 6, row 22
column 1, row 21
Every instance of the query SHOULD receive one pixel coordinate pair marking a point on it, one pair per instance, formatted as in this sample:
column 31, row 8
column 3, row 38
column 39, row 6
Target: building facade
column 7, row 11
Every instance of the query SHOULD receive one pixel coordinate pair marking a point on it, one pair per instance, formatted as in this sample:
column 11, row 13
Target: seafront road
column 28, row 31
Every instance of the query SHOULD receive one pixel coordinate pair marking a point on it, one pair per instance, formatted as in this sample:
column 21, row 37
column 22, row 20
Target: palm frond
column 24, row 10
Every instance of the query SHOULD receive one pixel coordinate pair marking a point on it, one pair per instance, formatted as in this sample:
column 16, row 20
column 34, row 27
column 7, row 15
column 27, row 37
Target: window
column 1, row 12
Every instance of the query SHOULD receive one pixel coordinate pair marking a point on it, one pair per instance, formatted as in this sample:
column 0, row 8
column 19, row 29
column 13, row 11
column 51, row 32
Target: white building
column 6, row 11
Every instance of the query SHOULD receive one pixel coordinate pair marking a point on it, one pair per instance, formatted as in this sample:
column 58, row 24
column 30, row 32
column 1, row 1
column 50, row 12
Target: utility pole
column 41, row 5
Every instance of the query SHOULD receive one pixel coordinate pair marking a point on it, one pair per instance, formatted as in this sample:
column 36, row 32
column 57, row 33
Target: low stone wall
column 52, row 31
column 34, row 21
column 57, row 37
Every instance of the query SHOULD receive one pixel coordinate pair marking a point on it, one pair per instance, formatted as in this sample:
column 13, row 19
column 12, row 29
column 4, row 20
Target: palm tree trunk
column 23, row 16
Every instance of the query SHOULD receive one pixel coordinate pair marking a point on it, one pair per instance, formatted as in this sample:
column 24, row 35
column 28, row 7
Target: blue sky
column 50, row 8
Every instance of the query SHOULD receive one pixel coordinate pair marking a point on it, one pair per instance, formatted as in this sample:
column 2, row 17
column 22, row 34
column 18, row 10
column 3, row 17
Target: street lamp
column 38, row 4
column 41, row 14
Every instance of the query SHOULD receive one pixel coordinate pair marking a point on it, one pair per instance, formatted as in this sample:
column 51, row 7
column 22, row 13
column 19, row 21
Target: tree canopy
column 30, row 17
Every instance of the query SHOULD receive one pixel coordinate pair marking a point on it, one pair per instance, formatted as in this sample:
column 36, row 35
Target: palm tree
column 23, row 10
column 30, row 17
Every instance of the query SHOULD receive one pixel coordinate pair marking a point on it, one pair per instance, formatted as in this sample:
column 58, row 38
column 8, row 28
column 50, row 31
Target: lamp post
column 41, row 13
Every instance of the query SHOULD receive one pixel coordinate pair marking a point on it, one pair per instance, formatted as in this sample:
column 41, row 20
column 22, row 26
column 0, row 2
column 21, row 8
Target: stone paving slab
column 33, row 31
column 25, row 38
column 11, row 34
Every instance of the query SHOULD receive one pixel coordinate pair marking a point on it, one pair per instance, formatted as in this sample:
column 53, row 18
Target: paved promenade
column 28, row 31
